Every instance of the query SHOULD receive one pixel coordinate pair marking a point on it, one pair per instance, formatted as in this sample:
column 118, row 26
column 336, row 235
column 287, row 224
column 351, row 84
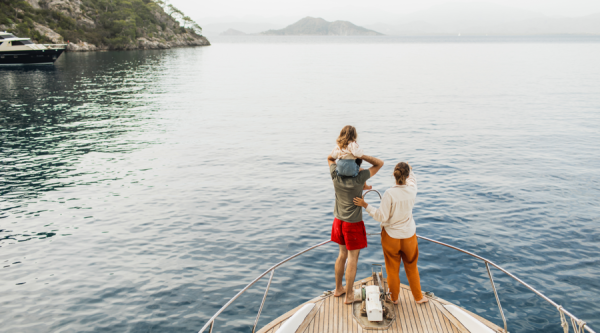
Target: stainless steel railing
column 487, row 262
column 487, row 265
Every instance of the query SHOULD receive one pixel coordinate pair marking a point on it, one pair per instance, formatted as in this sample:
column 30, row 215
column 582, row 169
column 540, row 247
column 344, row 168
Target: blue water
column 141, row 190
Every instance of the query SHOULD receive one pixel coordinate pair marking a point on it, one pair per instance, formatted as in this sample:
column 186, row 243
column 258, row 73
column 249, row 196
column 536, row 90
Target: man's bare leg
column 351, row 274
column 339, row 271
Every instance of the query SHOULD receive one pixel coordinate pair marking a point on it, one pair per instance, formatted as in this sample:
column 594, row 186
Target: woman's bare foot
column 338, row 293
column 423, row 300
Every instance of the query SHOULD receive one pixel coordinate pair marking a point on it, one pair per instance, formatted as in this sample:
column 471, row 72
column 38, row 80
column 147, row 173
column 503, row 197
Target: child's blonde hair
column 347, row 135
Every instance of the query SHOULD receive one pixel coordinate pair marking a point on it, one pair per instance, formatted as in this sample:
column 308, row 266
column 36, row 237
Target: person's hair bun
column 401, row 172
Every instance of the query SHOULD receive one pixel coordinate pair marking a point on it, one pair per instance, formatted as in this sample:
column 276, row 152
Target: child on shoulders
column 347, row 152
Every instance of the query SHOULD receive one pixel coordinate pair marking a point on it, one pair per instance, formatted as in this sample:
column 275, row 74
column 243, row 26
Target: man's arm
column 375, row 162
column 330, row 160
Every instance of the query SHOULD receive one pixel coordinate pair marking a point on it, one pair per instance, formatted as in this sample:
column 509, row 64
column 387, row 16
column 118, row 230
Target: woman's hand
column 358, row 201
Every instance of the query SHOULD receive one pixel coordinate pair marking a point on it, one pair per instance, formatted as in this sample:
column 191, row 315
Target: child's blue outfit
column 347, row 168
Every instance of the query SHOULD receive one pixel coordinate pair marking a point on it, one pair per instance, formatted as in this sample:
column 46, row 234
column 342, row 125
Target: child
column 347, row 152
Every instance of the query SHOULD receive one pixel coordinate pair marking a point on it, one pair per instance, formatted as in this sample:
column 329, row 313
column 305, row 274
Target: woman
column 398, row 231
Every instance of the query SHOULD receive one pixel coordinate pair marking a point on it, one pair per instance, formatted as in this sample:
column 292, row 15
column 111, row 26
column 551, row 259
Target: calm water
column 141, row 190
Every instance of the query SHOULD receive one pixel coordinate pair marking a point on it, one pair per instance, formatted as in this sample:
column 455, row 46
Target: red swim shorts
column 353, row 235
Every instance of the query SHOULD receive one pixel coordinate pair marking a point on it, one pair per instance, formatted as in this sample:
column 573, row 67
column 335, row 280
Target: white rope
column 578, row 324
column 563, row 320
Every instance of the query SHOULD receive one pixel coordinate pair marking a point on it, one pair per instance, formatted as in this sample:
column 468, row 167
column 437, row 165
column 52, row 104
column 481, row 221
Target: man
column 348, row 228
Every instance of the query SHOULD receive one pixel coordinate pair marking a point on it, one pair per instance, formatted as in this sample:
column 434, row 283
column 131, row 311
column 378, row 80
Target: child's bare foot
column 367, row 187
column 395, row 302
column 338, row 293
column 423, row 300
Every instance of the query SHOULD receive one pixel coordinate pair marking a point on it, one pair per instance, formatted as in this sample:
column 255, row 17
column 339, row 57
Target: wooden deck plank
column 354, row 324
column 453, row 329
column 349, row 319
column 340, row 311
column 436, row 316
column 331, row 315
column 400, row 320
column 413, row 311
column 409, row 313
column 327, row 315
column 433, row 315
column 347, row 309
column 449, row 326
column 458, row 327
column 321, row 322
column 304, row 327
column 425, row 320
column 318, row 321
column 335, row 305
column 343, row 307
column 426, row 317
column 403, row 307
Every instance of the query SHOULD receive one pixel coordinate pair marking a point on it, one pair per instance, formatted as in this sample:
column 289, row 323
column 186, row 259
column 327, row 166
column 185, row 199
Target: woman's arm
column 412, row 180
column 381, row 214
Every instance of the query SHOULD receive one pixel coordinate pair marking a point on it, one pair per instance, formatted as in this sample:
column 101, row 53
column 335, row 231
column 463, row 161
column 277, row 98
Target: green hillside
column 115, row 24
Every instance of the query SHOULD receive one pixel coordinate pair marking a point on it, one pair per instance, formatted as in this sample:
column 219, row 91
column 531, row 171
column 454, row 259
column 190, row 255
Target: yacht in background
column 15, row 50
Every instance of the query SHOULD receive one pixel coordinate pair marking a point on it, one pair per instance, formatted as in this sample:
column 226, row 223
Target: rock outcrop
column 318, row 26
column 95, row 25
column 52, row 35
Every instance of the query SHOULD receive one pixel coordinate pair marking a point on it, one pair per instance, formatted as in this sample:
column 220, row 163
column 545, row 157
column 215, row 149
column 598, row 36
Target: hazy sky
column 361, row 10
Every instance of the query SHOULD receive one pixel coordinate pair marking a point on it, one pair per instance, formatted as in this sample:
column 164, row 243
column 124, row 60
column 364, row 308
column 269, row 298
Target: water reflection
column 51, row 115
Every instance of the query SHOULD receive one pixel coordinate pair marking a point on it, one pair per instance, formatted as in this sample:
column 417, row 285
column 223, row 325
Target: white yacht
column 373, row 309
column 15, row 50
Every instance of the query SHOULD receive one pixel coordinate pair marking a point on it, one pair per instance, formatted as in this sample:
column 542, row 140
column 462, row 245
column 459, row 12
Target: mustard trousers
column 395, row 251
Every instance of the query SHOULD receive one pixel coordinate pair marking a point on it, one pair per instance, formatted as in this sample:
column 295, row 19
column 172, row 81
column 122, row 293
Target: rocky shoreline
column 183, row 40
column 98, row 25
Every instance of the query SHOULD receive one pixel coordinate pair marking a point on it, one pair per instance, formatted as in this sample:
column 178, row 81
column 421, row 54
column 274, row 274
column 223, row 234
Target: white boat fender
column 291, row 325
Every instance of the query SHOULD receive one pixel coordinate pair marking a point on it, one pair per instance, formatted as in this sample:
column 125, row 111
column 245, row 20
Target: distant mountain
column 318, row 26
column 214, row 29
column 232, row 32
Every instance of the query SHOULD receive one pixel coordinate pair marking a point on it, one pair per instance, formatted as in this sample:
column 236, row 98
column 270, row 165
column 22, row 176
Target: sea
column 141, row 190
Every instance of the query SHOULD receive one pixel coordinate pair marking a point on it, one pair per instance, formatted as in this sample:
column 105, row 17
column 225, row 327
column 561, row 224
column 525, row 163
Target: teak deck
column 331, row 315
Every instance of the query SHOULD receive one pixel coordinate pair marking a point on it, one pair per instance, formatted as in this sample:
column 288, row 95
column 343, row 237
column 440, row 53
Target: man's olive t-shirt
column 346, row 189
